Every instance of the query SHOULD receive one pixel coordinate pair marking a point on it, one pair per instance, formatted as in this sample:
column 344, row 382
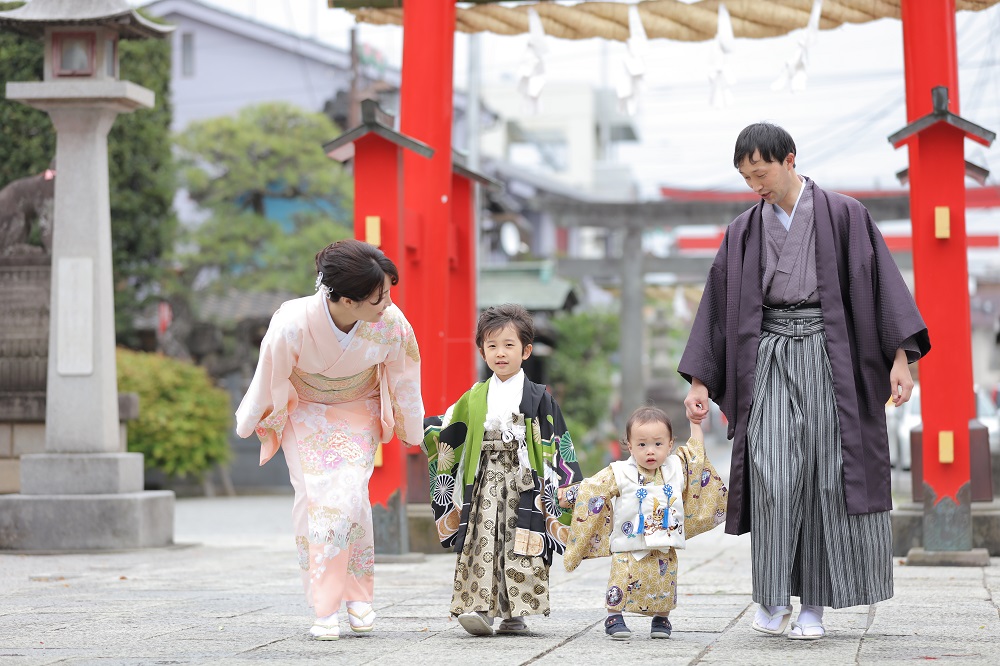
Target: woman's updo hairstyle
column 353, row 269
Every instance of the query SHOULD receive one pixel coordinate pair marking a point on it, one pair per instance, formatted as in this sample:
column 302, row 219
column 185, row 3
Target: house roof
column 32, row 18
column 531, row 284
column 258, row 31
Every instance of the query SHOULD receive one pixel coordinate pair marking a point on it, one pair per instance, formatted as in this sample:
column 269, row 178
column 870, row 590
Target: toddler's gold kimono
column 644, row 580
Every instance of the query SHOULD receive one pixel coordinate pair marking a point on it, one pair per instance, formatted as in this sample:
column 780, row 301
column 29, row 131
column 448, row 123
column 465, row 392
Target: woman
column 339, row 372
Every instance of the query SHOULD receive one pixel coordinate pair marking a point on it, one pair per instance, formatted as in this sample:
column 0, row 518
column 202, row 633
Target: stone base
column 390, row 526
column 86, row 522
column 977, row 557
column 81, row 473
column 423, row 531
column 908, row 527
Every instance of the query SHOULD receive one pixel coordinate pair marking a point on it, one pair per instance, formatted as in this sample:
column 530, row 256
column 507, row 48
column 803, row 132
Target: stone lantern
column 85, row 492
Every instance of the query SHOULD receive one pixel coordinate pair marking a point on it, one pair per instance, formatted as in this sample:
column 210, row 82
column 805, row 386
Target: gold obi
column 335, row 390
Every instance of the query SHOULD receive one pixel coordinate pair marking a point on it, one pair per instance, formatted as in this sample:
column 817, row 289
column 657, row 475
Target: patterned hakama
column 489, row 576
column 803, row 541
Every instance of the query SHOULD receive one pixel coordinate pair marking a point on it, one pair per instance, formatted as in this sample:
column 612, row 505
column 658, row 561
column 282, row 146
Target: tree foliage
column 580, row 370
column 242, row 169
column 140, row 165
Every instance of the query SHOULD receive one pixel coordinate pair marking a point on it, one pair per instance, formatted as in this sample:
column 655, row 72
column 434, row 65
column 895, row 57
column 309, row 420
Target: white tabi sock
column 809, row 615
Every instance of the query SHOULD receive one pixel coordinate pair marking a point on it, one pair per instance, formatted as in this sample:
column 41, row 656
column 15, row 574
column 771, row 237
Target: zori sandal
column 762, row 620
column 362, row 618
column 806, row 631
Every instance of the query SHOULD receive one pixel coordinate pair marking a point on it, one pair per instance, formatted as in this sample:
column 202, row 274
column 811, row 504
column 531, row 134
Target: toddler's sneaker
column 615, row 627
column 660, row 628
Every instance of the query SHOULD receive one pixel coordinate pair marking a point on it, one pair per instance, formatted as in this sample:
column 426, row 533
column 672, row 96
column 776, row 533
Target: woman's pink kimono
column 328, row 408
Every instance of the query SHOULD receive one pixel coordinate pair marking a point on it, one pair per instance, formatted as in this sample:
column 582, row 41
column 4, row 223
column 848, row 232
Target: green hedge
column 184, row 419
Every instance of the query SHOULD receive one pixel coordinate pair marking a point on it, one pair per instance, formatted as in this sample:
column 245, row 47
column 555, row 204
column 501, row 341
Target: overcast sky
column 854, row 98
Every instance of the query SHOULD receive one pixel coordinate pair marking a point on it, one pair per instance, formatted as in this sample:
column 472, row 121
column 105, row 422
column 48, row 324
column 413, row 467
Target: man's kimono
column 868, row 313
column 328, row 407
column 453, row 446
column 605, row 524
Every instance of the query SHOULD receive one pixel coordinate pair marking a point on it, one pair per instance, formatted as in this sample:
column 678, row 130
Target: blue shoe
column 660, row 628
column 615, row 627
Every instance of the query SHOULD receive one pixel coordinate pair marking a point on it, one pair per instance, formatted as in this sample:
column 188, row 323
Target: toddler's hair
column 497, row 317
column 643, row 415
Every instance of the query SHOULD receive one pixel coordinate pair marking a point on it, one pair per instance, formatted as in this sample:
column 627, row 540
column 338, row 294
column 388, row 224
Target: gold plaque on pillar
column 373, row 230
column 946, row 446
column 378, row 456
column 942, row 222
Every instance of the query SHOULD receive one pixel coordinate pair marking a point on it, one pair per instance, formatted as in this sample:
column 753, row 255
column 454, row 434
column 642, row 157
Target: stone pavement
column 230, row 593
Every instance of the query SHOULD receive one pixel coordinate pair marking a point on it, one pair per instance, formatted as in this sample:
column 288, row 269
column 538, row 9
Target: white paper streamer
column 532, row 69
column 721, row 78
column 794, row 74
column 635, row 63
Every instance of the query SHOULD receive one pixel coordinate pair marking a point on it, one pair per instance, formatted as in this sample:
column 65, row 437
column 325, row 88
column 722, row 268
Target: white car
column 901, row 420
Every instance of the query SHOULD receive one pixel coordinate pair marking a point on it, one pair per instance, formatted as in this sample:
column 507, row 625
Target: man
column 804, row 329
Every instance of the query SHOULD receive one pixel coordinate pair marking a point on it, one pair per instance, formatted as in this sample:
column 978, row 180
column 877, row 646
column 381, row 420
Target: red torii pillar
column 935, row 136
column 426, row 114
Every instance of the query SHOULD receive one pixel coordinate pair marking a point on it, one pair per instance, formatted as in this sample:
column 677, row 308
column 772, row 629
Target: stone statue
column 26, row 213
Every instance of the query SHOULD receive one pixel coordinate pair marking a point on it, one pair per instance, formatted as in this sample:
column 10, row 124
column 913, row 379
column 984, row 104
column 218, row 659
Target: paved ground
column 229, row 593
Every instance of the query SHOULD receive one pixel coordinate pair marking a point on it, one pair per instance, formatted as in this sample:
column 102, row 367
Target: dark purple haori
column 868, row 312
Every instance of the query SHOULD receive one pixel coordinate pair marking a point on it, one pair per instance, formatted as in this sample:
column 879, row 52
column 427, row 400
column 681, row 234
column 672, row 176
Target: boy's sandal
column 514, row 625
column 807, row 631
column 476, row 624
column 361, row 621
column 785, row 613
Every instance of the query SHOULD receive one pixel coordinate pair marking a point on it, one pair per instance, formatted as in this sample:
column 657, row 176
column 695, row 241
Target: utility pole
column 353, row 103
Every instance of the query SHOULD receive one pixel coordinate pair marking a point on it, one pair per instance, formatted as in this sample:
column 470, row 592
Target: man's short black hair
column 773, row 143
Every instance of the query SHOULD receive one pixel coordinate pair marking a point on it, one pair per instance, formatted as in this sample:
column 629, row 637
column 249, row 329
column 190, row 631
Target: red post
column 426, row 115
column 937, row 211
column 461, row 315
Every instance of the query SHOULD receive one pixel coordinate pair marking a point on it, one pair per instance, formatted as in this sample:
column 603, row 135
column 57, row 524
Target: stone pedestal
column 908, row 527
column 84, row 492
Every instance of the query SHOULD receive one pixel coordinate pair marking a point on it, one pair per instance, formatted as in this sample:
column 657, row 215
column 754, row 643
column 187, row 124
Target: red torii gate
column 935, row 137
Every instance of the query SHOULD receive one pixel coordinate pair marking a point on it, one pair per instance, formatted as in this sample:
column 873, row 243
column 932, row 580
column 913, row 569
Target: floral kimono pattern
column 328, row 408
column 643, row 581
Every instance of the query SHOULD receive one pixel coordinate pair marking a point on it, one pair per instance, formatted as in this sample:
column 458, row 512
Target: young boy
column 496, row 460
column 638, row 511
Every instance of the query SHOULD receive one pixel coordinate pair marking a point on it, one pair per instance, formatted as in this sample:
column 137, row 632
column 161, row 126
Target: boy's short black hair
column 772, row 142
column 494, row 318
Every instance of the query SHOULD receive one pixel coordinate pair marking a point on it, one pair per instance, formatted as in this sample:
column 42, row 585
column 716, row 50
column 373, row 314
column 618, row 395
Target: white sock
column 774, row 622
column 358, row 606
column 328, row 619
column 809, row 614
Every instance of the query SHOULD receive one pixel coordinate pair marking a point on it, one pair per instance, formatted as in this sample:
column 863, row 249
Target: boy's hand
column 697, row 432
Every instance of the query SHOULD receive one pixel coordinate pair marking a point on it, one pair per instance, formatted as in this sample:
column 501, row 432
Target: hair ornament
column 320, row 286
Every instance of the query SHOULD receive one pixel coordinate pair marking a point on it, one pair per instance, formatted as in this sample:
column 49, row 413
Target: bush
column 184, row 419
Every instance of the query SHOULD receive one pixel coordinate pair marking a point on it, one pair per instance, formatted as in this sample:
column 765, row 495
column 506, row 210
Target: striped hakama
column 803, row 541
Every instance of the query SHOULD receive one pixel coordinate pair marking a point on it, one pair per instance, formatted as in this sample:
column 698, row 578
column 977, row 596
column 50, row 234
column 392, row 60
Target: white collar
column 783, row 217
column 343, row 338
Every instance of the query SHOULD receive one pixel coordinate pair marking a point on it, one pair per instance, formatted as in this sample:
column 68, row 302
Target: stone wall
column 24, row 352
column 24, row 341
